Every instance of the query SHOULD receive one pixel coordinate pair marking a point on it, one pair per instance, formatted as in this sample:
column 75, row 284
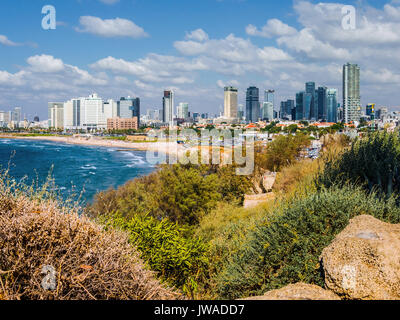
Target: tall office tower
column 267, row 111
column 331, row 105
column 17, row 114
column 311, row 106
column 56, row 115
column 269, row 96
column 72, row 114
column 370, row 110
column 110, row 109
column 129, row 107
column 168, row 106
column 351, row 92
column 286, row 110
column 93, row 113
column 322, row 104
column 240, row 112
column 300, row 101
column 252, row 104
column 182, row 110
column 230, row 102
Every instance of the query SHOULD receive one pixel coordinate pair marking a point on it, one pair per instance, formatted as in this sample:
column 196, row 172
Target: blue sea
column 78, row 171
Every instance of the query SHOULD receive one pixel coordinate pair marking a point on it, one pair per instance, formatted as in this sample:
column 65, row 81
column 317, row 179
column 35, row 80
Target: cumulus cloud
column 273, row 28
column 197, row 35
column 45, row 63
column 109, row 28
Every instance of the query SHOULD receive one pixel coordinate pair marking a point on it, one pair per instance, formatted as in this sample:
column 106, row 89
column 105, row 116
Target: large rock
column 363, row 262
column 298, row 291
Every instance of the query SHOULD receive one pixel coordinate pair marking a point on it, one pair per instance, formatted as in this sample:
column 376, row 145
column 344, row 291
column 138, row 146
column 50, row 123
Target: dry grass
column 90, row 263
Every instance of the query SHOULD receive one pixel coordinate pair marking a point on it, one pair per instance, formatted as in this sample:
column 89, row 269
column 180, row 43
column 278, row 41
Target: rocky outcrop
column 363, row 262
column 298, row 291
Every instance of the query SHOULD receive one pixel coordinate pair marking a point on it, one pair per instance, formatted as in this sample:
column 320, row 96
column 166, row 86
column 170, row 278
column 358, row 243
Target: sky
column 139, row 48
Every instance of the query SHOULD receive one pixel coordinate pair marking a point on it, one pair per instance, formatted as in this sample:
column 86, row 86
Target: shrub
column 180, row 193
column 373, row 162
column 89, row 263
column 285, row 247
column 283, row 151
column 180, row 260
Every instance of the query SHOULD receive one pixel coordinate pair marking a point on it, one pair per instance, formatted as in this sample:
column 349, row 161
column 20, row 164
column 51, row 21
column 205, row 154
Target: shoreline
column 163, row 147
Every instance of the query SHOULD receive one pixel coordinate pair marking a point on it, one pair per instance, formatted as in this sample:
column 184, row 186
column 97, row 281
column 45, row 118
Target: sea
column 79, row 172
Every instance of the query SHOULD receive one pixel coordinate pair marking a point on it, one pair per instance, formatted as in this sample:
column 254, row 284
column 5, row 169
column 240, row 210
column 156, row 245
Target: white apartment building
column 56, row 115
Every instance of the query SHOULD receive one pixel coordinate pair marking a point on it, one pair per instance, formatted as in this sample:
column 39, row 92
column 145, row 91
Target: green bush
column 180, row 193
column 177, row 258
column 373, row 161
column 284, row 248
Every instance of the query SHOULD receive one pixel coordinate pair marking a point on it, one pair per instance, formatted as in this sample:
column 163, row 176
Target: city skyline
column 276, row 48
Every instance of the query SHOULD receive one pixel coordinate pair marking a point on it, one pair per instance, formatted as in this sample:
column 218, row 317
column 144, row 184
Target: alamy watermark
column 349, row 19
column 49, row 21
column 217, row 147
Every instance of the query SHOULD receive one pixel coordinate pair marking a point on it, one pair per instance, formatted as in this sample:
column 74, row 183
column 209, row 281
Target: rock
column 269, row 180
column 363, row 262
column 298, row 291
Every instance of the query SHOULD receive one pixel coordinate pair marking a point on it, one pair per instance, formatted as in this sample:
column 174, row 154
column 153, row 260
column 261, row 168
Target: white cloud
column 45, row 63
column 273, row 28
column 109, row 28
column 197, row 35
column 5, row 41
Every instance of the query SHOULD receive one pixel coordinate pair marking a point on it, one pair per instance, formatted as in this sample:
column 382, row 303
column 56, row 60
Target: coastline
column 163, row 147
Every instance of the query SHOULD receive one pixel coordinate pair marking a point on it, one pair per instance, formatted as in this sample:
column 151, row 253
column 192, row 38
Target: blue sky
column 141, row 47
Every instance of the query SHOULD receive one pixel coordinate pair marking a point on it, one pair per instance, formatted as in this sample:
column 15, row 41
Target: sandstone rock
column 298, row 291
column 363, row 262
column 269, row 180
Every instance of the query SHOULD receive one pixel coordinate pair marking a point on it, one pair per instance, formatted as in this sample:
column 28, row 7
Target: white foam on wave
column 89, row 167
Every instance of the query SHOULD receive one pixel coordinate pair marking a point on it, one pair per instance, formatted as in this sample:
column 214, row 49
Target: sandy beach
column 163, row 147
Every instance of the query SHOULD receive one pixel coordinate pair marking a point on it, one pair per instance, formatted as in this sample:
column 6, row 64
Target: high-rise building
column 230, row 102
column 168, row 106
column 267, row 111
column 351, row 92
column 56, row 115
column 129, row 107
column 87, row 113
column 240, row 112
column 311, row 102
column 370, row 110
column 331, row 105
column 252, row 104
column 269, row 96
column 182, row 110
column 300, row 105
column 286, row 110
column 322, row 104
column 17, row 114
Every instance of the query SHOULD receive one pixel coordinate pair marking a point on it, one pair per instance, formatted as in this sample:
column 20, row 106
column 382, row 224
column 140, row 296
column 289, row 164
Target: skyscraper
column 300, row 102
column 56, row 115
column 351, row 92
column 230, row 102
column 331, row 105
column 168, row 106
column 182, row 110
column 129, row 108
column 370, row 110
column 252, row 104
column 286, row 110
column 322, row 104
column 267, row 111
column 311, row 98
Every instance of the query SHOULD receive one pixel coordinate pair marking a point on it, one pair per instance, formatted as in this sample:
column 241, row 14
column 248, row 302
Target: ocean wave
column 89, row 167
